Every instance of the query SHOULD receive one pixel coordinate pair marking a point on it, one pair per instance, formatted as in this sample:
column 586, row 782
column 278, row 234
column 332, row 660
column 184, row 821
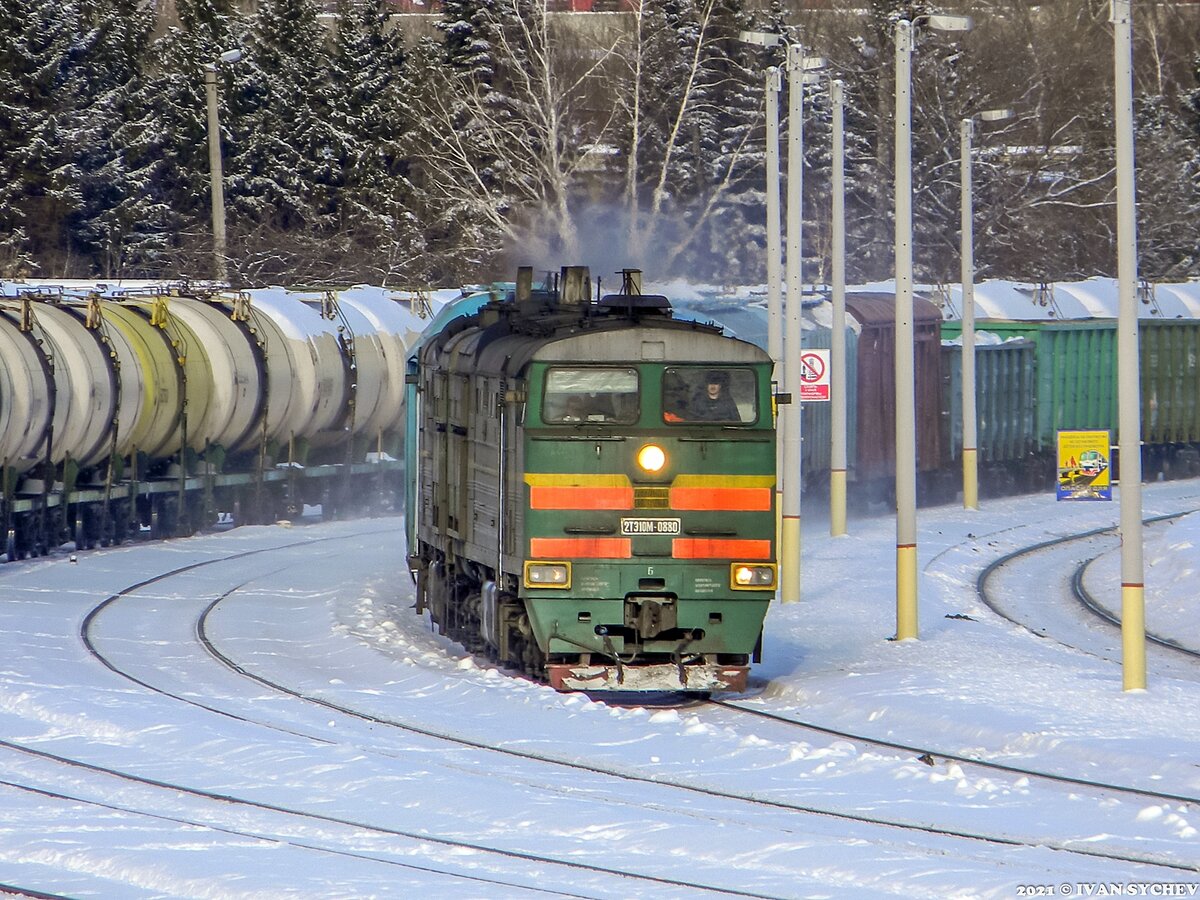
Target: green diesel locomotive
column 593, row 495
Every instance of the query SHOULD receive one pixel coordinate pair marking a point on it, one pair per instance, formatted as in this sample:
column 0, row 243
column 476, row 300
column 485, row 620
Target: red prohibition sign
column 812, row 368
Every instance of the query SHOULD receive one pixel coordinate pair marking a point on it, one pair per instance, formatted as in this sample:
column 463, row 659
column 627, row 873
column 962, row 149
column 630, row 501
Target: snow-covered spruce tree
column 111, row 53
column 371, row 117
column 467, row 28
column 1050, row 216
column 658, row 98
column 38, row 120
column 166, row 214
column 728, row 194
column 452, row 79
column 941, row 94
column 860, row 51
column 663, row 155
column 286, row 177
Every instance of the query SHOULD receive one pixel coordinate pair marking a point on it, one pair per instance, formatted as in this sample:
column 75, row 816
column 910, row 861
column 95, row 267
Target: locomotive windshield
column 594, row 395
column 709, row 394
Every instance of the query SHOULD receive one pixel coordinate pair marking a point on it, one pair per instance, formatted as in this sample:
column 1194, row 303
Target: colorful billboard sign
column 1083, row 465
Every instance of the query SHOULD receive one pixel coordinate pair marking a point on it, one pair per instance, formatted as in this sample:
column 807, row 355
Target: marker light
column 652, row 458
column 547, row 574
column 751, row 576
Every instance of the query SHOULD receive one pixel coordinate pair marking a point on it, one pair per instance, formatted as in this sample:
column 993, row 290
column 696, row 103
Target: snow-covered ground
column 135, row 763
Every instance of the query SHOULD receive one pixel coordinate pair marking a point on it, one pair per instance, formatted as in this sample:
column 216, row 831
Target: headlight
column 547, row 574
column 751, row 576
column 652, row 458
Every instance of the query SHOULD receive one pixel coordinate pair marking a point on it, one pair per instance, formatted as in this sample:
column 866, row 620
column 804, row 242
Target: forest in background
column 357, row 150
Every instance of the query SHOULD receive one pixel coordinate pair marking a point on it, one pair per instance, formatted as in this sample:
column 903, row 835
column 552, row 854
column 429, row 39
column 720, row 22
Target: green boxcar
column 1076, row 381
column 1076, row 385
column 1005, row 378
column 1169, row 355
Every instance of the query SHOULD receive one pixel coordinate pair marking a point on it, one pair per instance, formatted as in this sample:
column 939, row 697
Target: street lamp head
column 797, row 62
column 949, row 23
column 995, row 115
column 760, row 38
column 230, row 56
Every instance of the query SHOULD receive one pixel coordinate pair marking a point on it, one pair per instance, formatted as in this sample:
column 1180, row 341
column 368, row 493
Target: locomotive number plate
column 649, row 526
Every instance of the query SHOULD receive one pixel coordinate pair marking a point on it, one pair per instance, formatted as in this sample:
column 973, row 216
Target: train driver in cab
column 714, row 403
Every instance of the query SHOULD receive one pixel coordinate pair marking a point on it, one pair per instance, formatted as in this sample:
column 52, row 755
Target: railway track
column 738, row 808
column 930, row 753
column 1106, row 540
column 466, row 740
column 201, row 631
column 206, row 823
column 1094, row 606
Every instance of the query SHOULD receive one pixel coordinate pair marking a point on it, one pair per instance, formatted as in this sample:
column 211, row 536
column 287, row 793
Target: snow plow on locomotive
column 594, row 489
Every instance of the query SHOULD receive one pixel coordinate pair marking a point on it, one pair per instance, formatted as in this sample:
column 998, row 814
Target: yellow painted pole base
column 1133, row 636
column 837, row 502
column 906, row 592
column 789, row 560
column 970, row 478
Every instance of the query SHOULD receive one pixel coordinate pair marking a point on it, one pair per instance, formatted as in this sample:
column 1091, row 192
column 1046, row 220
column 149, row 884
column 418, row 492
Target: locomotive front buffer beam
column 706, row 676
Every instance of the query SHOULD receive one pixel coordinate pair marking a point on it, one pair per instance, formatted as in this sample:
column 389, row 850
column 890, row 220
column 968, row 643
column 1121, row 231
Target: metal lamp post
column 774, row 83
column 216, row 176
column 1133, row 611
column 790, row 418
column 970, row 437
column 788, row 484
column 837, row 343
column 906, row 438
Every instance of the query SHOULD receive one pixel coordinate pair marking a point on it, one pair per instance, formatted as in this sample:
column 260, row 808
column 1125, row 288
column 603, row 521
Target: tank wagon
column 156, row 411
column 593, row 494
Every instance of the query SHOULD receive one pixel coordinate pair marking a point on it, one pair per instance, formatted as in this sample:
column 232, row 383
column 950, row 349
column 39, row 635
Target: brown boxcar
column 875, row 459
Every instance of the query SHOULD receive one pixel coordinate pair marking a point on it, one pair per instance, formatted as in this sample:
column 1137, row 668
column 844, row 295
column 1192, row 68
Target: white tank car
column 26, row 388
column 316, row 333
column 85, row 398
column 396, row 320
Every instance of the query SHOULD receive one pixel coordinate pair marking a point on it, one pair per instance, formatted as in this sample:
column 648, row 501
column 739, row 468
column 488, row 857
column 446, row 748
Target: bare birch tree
column 509, row 157
column 683, row 154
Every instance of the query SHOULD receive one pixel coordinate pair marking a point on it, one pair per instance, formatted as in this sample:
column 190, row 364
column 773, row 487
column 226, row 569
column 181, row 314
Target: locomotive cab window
column 709, row 394
column 590, row 395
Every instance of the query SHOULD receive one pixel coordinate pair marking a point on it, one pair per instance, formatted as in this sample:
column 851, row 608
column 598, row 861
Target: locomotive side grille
column 651, row 498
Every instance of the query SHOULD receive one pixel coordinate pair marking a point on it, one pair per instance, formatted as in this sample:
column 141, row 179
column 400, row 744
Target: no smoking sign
column 814, row 375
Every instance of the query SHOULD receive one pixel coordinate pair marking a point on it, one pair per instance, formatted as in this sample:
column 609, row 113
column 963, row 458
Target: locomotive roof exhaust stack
column 631, row 281
column 524, row 290
column 575, row 287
